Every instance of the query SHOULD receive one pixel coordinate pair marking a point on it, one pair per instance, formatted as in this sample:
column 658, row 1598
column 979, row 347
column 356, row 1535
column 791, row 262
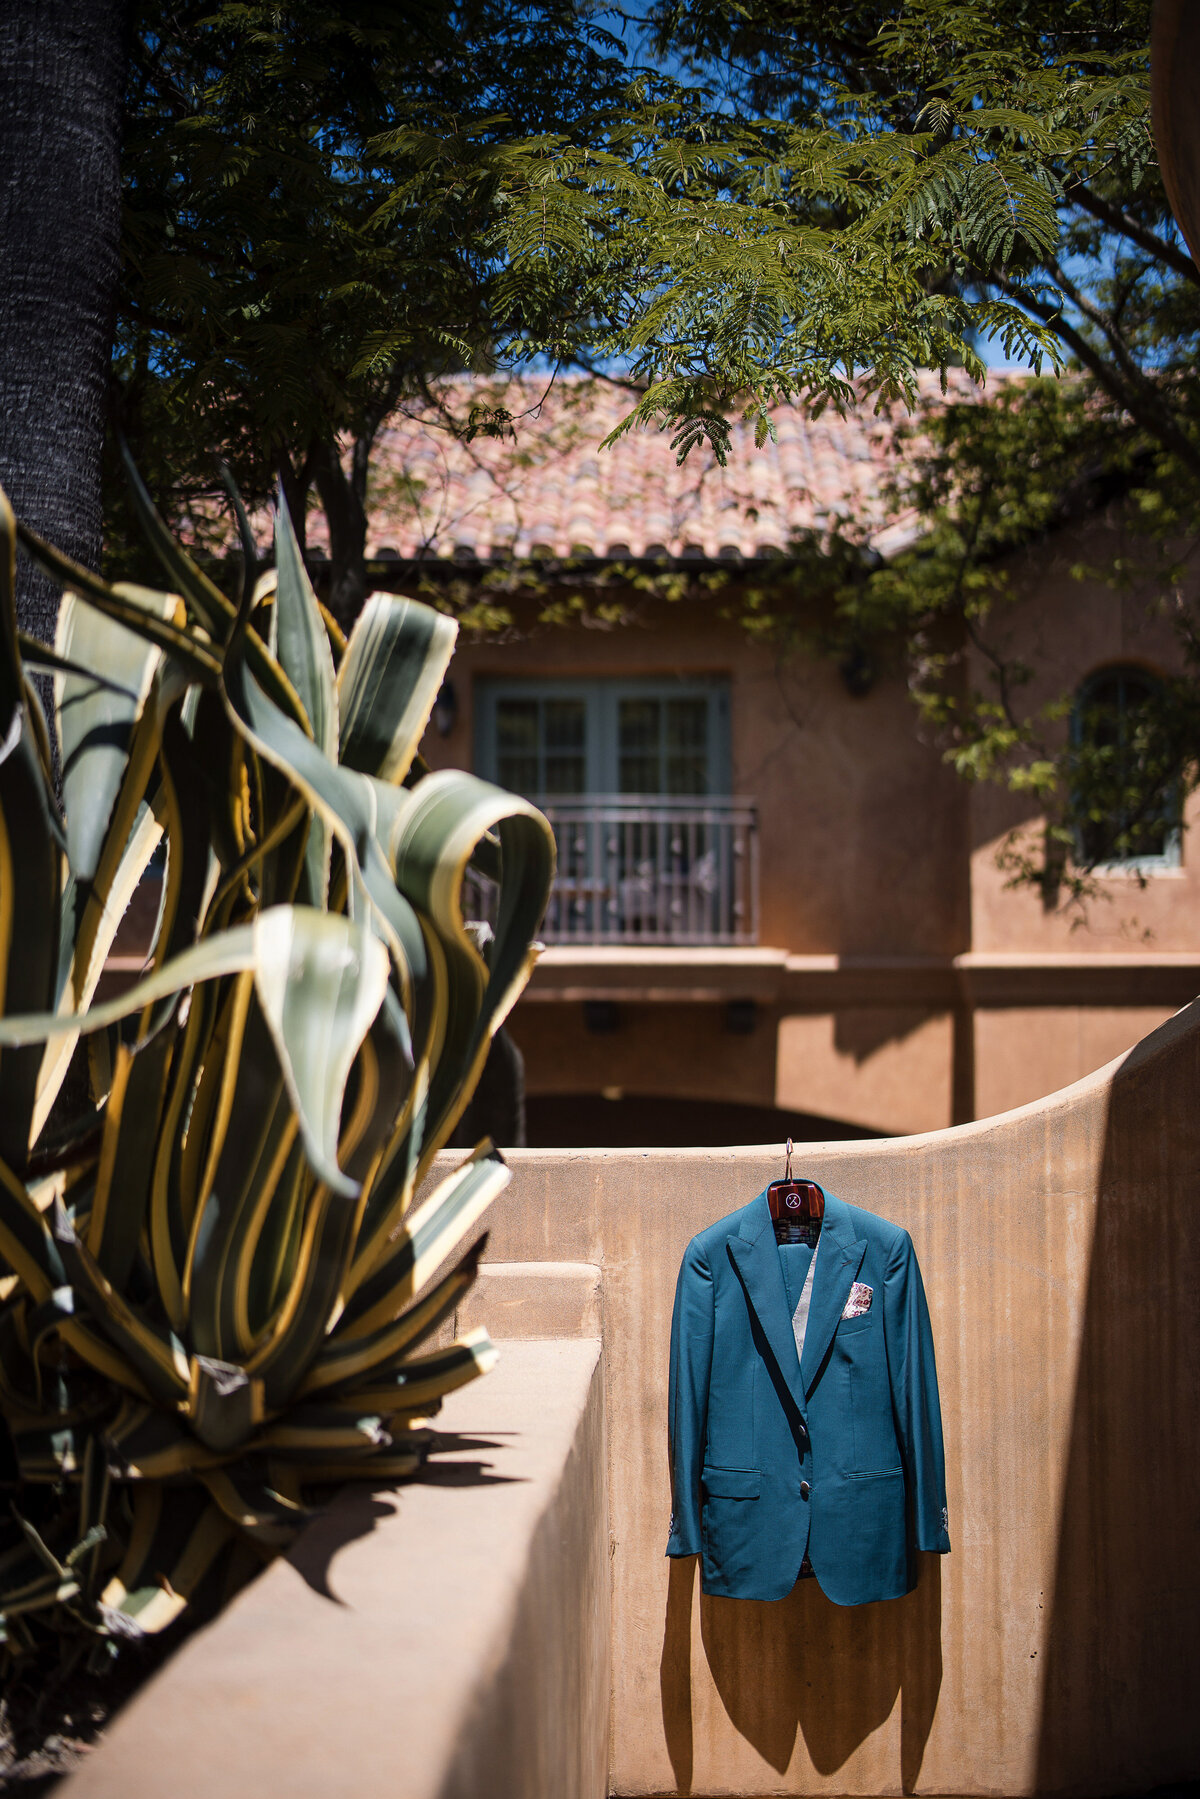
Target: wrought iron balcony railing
column 648, row 871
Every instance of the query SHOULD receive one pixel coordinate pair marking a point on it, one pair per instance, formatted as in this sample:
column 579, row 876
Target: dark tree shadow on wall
column 1121, row 1700
column 804, row 1664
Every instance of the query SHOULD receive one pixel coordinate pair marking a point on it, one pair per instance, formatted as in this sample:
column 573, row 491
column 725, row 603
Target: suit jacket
column 839, row 1455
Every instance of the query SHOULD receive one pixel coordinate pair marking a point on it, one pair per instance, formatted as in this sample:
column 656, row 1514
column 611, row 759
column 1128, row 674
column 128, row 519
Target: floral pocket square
column 859, row 1301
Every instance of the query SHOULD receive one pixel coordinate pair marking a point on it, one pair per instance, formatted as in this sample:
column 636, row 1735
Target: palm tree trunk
column 62, row 68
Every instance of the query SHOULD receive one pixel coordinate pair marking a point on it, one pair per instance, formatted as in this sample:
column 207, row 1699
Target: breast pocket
column 850, row 1327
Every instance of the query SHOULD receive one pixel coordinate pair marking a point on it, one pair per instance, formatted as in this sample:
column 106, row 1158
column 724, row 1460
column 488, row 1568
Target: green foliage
column 216, row 1290
column 981, row 491
column 1010, row 144
column 296, row 254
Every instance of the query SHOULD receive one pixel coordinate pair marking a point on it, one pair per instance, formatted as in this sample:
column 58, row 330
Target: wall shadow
column 1121, row 1695
column 802, row 1664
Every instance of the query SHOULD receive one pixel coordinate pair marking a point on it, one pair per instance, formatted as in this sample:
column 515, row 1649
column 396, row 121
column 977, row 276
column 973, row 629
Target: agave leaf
column 250, row 556
column 157, row 1357
column 387, row 1465
column 305, row 657
column 36, row 657
column 346, row 801
column 90, row 1554
column 193, row 655
column 313, row 1301
column 95, row 718
column 31, row 866
column 325, row 1431
column 122, row 1197
column 273, row 1245
column 421, row 1380
column 105, row 907
column 395, row 662
column 230, row 953
column 145, row 1443
column 211, row 607
column 183, row 808
column 320, row 981
column 31, row 870
column 224, row 1405
column 430, row 844
column 355, row 1358
column 246, row 1500
column 247, row 1149
column 303, row 652
column 25, row 1243
column 423, row 1241
column 171, row 1550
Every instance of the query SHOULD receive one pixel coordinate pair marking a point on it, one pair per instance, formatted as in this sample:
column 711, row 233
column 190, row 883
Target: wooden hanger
column 797, row 1200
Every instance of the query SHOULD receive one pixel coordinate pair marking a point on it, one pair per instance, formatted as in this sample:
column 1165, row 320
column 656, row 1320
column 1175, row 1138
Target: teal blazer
column 838, row 1457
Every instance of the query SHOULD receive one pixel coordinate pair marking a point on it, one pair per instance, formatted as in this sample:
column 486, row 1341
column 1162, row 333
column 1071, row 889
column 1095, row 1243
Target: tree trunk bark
column 62, row 70
column 343, row 498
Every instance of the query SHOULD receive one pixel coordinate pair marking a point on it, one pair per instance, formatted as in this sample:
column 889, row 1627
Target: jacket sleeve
column 687, row 1398
column 915, row 1396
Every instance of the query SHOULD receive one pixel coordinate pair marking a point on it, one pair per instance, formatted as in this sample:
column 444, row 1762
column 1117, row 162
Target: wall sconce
column 741, row 1017
column 445, row 709
column 858, row 672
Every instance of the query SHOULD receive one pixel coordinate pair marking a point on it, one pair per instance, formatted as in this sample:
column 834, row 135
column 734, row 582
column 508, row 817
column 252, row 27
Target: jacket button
column 804, row 1489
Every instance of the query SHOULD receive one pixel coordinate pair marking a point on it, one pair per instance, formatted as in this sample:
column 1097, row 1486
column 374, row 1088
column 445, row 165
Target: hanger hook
column 788, row 1169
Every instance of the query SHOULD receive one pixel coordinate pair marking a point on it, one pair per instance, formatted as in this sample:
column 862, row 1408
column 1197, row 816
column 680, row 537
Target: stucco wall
column 862, row 830
column 1064, row 628
column 1058, row 1648
column 870, row 851
column 448, row 1639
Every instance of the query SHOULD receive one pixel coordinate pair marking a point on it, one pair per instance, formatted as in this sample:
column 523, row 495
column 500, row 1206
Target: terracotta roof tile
column 550, row 489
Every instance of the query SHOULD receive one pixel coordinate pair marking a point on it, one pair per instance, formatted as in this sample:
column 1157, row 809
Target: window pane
column 687, row 774
column 565, row 774
column 639, row 723
column 640, row 774
column 1126, row 769
column 687, row 746
column 519, row 774
column 564, row 724
column 517, row 725
column 639, row 726
column 687, row 725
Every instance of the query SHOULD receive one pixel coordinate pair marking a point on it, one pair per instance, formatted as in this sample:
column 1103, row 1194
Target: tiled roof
column 551, row 491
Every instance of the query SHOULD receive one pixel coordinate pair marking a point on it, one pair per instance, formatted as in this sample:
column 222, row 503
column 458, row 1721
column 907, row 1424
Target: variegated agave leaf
column 218, row 1289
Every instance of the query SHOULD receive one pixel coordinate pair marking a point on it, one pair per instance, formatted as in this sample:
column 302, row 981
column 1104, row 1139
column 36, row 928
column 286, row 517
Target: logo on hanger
column 792, row 1201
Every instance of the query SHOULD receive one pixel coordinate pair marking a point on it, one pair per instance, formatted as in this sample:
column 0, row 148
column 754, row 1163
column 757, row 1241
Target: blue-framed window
column 552, row 739
column 1127, row 797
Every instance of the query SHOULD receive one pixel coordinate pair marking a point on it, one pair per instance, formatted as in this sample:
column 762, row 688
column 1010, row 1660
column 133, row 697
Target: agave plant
column 216, row 1289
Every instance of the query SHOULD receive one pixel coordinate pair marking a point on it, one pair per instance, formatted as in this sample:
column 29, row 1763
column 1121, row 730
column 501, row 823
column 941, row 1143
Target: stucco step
column 524, row 1301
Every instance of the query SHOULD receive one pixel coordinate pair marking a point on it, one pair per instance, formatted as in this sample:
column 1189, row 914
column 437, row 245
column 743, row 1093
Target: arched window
column 1125, row 794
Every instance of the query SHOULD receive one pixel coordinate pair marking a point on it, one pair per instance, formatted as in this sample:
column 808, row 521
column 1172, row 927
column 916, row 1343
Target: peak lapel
column 757, row 1261
column 838, row 1263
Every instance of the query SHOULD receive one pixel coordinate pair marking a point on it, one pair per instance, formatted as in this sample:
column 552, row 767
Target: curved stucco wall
column 1058, row 1648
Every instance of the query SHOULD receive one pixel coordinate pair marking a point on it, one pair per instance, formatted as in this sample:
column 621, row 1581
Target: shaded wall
column 1058, row 1648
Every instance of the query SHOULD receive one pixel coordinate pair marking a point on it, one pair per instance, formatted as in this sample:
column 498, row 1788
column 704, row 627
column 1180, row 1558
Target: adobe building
column 776, row 907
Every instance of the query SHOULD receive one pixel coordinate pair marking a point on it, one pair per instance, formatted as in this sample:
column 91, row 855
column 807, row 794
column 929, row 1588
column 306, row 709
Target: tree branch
column 1117, row 219
column 1138, row 398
